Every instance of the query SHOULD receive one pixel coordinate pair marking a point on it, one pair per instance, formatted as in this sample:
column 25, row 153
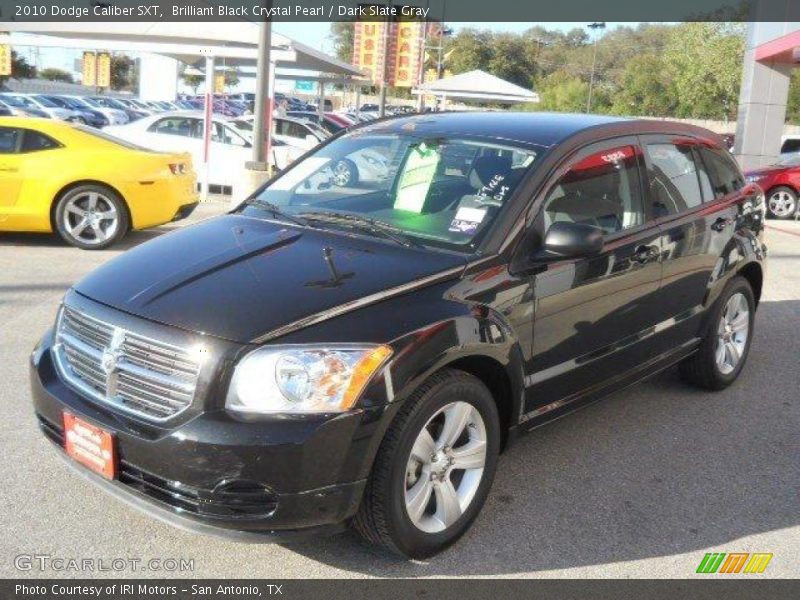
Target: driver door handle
column 645, row 254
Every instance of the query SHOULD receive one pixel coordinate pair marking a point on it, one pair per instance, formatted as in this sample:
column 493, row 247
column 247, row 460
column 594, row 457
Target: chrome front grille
column 136, row 374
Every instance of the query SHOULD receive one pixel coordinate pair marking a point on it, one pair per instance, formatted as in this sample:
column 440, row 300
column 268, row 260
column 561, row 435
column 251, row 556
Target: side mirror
column 572, row 240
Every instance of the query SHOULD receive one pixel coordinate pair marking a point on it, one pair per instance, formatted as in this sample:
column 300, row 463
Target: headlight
column 303, row 379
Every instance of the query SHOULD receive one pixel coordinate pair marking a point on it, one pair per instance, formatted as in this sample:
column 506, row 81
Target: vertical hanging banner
column 89, row 65
column 103, row 70
column 5, row 55
column 368, row 47
column 407, row 53
column 219, row 83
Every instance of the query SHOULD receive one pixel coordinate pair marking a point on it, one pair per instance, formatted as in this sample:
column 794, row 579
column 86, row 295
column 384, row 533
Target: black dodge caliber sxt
column 357, row 342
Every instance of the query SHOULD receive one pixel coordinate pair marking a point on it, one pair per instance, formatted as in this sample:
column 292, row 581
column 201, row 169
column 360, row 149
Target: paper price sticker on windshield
column 467, row 220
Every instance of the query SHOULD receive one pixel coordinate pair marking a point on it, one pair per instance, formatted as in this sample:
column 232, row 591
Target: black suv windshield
column 441, row 191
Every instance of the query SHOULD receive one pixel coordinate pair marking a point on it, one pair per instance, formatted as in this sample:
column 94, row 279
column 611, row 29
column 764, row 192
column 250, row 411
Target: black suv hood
column 241, row 278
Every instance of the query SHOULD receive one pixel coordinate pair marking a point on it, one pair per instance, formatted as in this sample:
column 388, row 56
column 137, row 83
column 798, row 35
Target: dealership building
column 772, row 50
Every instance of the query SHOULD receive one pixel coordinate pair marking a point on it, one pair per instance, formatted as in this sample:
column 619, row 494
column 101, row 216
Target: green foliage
column 343, row 34
column 193, row 81
column 231, row 77
column 681, row 70
column 704, row 61
column 20, row 69
column 562, row 92
column 123, row 73
column 52, row 74
column 793, row 109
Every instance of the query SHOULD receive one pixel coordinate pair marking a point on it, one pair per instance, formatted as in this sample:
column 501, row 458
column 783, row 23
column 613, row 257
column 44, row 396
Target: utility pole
column 262, row 112
column 594, row 27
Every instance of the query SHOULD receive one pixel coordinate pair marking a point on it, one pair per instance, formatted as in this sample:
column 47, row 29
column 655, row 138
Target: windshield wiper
column 364, row 224
column 276, row 210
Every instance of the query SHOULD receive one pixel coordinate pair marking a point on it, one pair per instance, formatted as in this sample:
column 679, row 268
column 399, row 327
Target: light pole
column 595, row 27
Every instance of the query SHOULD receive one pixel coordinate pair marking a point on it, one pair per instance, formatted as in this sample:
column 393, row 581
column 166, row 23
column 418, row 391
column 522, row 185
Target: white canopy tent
column 476, row 86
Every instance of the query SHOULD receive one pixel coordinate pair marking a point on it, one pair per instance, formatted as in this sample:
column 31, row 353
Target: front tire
column 724, row 349
column 345, row 173
column 782, row 203
column 91, row 217
column 434, row 468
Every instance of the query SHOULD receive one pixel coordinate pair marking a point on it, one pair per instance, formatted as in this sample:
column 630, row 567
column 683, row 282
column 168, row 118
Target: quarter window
column 33, row 141
column 601, row 190
column 725, row 175
column 673, row 178
column 181, row 126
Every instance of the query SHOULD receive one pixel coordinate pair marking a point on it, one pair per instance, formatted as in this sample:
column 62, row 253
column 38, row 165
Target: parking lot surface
column 642, row 484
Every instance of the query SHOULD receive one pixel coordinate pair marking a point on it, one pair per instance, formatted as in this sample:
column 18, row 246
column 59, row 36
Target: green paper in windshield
column 416, row 178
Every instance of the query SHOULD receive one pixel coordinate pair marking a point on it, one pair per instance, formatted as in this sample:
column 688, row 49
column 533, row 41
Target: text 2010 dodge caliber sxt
column 357, row 343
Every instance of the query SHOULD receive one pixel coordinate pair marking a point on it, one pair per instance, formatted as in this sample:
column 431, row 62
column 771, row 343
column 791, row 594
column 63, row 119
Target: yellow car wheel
column 91, row 217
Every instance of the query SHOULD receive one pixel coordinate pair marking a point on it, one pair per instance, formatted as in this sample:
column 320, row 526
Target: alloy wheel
column 341, row 174
column 445, row 467
column 782, row 204
column 732, row 333
column 91, row 218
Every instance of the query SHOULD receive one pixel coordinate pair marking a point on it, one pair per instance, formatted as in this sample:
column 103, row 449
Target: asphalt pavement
column 642, row 484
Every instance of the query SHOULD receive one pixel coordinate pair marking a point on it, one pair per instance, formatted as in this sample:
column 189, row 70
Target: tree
column 470, row 49
column 231, row 77
column 52, row 74
column 644, row 89
column 343, row 34
column 20, row 69
column 793, row 107
column 704, row 60
column 192, row 78
column 562, row 92
column 123, row 73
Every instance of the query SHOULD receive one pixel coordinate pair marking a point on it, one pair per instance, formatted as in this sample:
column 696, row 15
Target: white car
column 295, row 132
column 182, row 131
column 114, row 115
column 51, row 108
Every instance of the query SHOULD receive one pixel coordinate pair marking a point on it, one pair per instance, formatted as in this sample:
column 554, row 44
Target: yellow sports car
column 88, row 186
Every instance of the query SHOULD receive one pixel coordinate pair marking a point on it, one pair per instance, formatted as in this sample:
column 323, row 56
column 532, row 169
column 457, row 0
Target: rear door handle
column 646, row 254
column 721, row 223
column 8, row 169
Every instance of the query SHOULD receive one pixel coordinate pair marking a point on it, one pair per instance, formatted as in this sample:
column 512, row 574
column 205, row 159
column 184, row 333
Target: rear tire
column 91, row 217
column 434, row 468
column 724, row 349
column 782, row 203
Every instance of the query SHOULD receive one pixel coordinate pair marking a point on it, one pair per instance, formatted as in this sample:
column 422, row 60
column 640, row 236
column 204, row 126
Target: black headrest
column 489, row 165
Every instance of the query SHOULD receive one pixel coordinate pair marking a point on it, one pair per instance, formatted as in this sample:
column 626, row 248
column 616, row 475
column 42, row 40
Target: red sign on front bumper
column 90, row 446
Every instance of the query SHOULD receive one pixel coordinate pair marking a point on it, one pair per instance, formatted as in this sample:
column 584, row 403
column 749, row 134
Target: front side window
column 442, row 191
column 9, row 139
column 673, row 178
column 602, row 190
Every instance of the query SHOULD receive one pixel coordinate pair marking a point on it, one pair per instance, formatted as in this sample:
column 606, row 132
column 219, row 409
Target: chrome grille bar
column 139, row 375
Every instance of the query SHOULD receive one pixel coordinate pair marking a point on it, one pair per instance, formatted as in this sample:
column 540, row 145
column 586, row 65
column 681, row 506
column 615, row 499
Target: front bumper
column 213, row 473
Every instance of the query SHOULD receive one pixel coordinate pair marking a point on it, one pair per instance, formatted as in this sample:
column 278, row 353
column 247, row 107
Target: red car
column 781, row 185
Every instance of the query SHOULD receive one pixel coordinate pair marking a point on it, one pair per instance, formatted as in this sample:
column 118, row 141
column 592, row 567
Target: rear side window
column 602, row 190
column 790, row 145
column 724, row 174
column 33, row 141
column 673, row 178
column 9, row 139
